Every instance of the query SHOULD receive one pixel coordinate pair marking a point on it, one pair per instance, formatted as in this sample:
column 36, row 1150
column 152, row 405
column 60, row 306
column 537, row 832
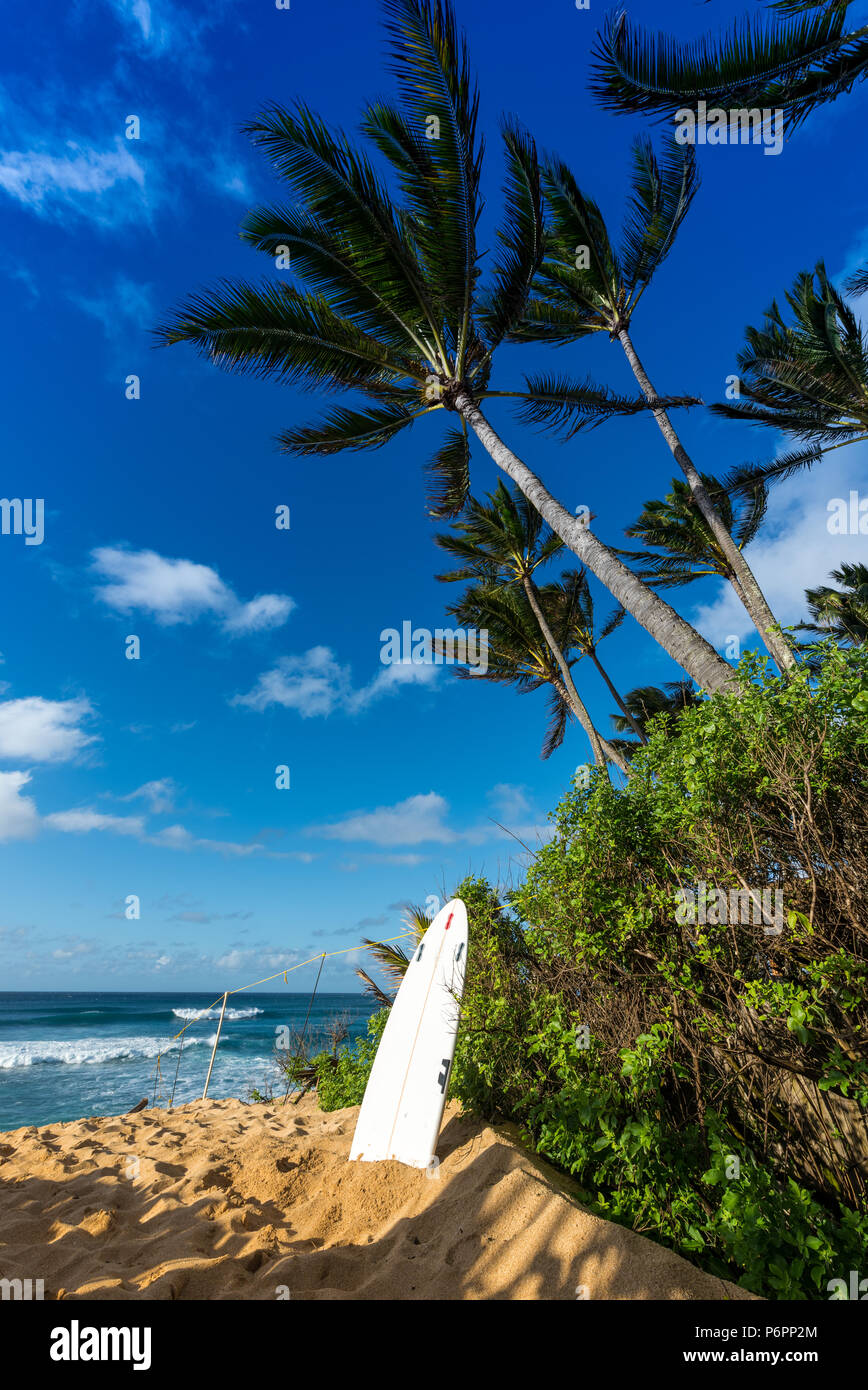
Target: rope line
column 325, row 955
column 177, row 1069
column 304, row 1028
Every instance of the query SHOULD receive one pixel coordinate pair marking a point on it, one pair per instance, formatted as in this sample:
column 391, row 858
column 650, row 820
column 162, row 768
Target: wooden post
column 214, row 1049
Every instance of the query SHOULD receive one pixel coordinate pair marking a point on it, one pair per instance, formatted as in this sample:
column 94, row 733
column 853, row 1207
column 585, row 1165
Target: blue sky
column 260, row 647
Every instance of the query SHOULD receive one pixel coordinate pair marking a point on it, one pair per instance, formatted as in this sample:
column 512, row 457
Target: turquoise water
column 63, row 1055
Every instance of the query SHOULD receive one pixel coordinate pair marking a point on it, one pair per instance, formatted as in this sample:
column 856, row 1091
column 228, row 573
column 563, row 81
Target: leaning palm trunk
column 573, row 699
column 604, row 751
column 636, row 727
column 746, row 586
column 683, row 643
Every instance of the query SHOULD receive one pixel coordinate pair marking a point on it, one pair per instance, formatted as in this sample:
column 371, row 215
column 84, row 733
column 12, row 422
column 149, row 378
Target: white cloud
column 181, row 591
column 204, row 918
column 166, row 30
column 160, row 795
column 176, row 837
column 122, row 304
column 229, row 176
column 18, row 816
column 795, row 550
column 82, row 821
column 43, row 730
column 139, row 11
column 78, row 179
column 401, row 860
column 422, row 819
column 509, row 801
column 233, row 960
column 513, row 814
column 394, row 677
column 411, row 822
column 265, row 611
column 257, row 958
column 316, row 684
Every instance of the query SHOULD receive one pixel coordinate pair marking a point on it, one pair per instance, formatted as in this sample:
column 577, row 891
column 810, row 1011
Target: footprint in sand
column 215, row 1177
column 171, row 1170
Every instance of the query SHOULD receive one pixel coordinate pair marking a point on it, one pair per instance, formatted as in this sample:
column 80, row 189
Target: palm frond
column 560, row 716
column 411, row 157
column 328, row 266
column 665, row 571
column 747, row 477
column 544, row 322
column 276, row 331
column 373, row 991
column 521, row 238
column 517, row 652
column 339, row 188
column 415, row 918
column 649, row 702
column 612, row 623
column 390, row 958
column 661, row 198
column 857, row 283
column 579, row 223
column 808, row 377
column 431, row 63
column 794, row 65
column 448, row 474
column 687, row 548
column 343, row 428
column 840, row 613
column 566, row 406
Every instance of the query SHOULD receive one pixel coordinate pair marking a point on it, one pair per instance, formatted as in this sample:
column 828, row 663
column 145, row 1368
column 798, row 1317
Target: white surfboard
column 406, row 1091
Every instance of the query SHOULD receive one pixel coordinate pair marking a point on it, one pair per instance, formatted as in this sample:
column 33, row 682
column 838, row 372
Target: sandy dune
column 226, row 1200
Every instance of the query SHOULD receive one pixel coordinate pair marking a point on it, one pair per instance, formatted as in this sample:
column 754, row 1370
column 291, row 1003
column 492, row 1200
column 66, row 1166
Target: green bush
column 341, row 1078
column 704, row 1082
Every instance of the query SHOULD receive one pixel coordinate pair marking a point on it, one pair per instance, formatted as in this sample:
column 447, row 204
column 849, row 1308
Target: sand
column 223, row 1200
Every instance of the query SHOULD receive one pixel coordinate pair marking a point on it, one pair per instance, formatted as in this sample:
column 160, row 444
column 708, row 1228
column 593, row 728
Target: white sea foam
column 85, row 1051
column 230, row 1014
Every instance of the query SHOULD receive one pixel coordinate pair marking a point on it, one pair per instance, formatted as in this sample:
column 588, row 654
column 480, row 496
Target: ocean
column 67, row 1055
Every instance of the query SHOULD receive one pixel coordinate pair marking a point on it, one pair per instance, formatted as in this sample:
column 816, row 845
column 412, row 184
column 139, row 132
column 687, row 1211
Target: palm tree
column 582, row 633
column 505, row 543
column 805, row 57
column 393, row 308
column 840, row 613
column 686, row 548
column 808, row 378
column 574, row 300
column 520, row 653
column 649, row 702
column 391, row 958
column 505, row 539
column 598, row 293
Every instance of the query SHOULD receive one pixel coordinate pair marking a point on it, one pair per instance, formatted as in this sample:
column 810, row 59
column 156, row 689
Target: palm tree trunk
column 603, row 750
column 683, row 643
column 580, row 711
column 637, row 729
column 614, row 756
column 752, row 595
column 572, row 695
